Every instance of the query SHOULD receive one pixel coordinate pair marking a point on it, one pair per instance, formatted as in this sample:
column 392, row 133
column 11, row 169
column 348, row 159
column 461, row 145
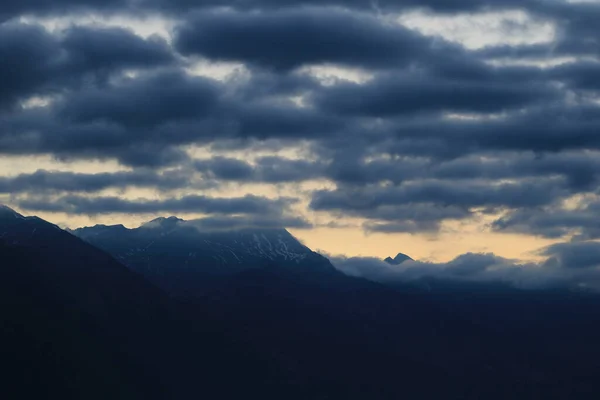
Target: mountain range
column 182, row 258
column 171, row 311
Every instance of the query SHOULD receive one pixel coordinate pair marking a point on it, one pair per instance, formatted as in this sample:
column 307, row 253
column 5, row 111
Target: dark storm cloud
column 285, row 121
column 421, row 206
column 266, row 170
column 413, row 93
column 464, row 194
column 582, row 75
column 442, row 6
column 575, row 46
column 554, row 128
column 12, row 8
column 40, row 132
column 228, row 169
column 27, row 55
column 135, row 155
column 102, row 131
column 580, row 170
column 277, row 169
column 574, row 19
column 542, row 51
column 409, row 218
column 56, row 181
column 317, row 36
column 553, row 222
column 273, row 86
column 145, row 102
column 141, row 121
column 73, row 204
column 108, row 49
column 398, row 160
column 132, row 119
column 416, row 218
column 575, row 171
column 575, row 255
column 35, row 62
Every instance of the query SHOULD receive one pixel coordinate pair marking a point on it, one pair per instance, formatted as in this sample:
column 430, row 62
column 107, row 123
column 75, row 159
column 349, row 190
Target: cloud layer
column 333, row 106
column 568, row 265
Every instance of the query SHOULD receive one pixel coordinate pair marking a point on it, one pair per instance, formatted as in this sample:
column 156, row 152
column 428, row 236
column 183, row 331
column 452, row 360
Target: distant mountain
column 399, row 259
column 180, row 257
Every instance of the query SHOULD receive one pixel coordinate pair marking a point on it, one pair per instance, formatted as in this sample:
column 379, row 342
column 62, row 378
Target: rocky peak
column 399, row 259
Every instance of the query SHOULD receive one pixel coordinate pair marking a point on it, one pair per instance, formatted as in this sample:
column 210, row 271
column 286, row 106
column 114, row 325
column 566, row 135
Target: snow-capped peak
column 162, row 222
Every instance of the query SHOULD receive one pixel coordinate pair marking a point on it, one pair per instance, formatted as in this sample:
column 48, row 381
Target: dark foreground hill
column 78, row 324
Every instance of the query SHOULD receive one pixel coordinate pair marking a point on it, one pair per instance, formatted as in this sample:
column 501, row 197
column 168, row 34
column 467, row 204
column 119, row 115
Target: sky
column 436, row 128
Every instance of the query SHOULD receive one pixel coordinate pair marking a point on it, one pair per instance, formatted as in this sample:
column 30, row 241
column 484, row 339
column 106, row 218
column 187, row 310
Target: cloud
column 577, row 255
column 556, row 221
column 37, row 63
column 74, row 204
column 410, row 94
column 265, row 170
column 12, row 8
column 26, row 55
column 470, row 267
column 431, row 132
column 108, row 49
column 579, row 75
column 550, row 129
column 580, row 170
column 142, row 121
column 412, row 218
column 576, row 30
column 442, row 6
column 58, row 181
column 317, row 36
column 461, row 194
column 569, row 265
column 145, row 102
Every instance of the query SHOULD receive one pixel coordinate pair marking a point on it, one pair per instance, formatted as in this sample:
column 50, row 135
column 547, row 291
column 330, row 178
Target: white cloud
column 144, row 26
column 477, row 30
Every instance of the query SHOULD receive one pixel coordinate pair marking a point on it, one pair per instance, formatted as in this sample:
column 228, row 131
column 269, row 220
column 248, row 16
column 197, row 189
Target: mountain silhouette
column 181, row 257
column 77, row 323
column 68, row 309
column 399, row 259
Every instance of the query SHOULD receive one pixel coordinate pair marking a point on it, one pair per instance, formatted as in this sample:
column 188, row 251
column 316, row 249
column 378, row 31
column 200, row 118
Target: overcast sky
column 431, row 127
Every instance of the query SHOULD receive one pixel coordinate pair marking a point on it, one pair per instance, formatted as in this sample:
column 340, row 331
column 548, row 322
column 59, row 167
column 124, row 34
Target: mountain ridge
column 177, row 255
column 277, row 331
